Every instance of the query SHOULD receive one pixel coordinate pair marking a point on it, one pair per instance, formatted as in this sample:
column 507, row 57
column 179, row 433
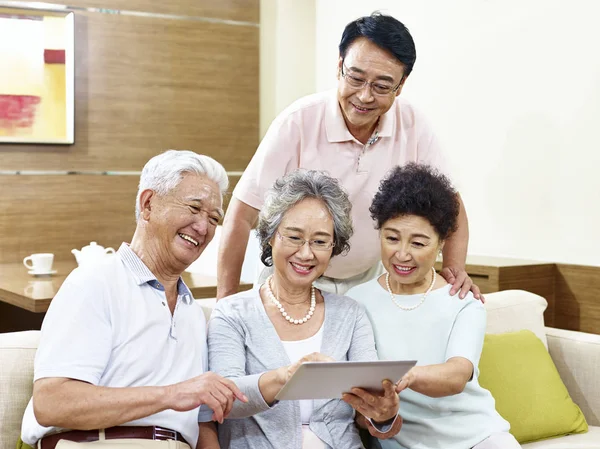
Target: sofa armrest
column 577, row 358
column 17, row 352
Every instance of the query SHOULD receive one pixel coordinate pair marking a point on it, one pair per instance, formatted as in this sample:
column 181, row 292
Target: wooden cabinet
column 493, row 274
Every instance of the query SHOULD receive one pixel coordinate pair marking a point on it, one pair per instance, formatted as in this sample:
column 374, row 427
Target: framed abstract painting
column 37, row 79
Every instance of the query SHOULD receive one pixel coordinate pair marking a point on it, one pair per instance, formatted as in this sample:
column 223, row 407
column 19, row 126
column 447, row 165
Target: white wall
column 287, row 55
column 512, row 88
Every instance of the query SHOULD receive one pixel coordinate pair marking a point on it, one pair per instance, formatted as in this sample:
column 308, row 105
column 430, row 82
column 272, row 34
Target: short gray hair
column 294, row 187
column 165, row 171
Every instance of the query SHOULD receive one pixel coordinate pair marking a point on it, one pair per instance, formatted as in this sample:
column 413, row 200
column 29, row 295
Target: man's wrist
column 453, row 265
column 165, row 396
column 225, row 291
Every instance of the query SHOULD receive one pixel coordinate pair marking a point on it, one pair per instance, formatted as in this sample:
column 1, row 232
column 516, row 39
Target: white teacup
column 40, row 263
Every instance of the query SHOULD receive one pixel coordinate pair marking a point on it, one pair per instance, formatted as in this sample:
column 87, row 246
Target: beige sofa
column 576, row 355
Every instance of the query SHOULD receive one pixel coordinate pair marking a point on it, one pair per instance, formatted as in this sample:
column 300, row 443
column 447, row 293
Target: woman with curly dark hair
column 414, row 317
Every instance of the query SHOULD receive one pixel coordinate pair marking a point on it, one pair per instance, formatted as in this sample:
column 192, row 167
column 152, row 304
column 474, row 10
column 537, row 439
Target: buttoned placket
column 372, row 140
column 173, row 330
column 163, row 298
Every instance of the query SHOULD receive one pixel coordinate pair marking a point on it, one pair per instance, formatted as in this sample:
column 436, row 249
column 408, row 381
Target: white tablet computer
column 328, row 380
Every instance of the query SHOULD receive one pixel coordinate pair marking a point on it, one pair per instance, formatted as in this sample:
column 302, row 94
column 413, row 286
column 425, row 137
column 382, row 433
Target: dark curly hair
column 421, row 190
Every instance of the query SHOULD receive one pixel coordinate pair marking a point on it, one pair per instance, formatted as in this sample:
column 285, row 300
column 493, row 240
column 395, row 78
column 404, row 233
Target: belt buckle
column 166, row 434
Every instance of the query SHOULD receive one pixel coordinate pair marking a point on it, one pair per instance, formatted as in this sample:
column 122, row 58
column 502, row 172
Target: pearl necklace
column 275, row 301
column 387, row 284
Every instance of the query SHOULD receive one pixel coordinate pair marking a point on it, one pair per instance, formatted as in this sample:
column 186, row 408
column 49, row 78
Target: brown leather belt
column 112, row 433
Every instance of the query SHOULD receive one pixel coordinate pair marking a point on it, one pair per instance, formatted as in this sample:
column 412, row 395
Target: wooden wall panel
column 147, row 84
column 58, row 213
column 578, row 298
column 239, row 10
column 538, row 279
column 233, row 180
column 483, row 273
column 493, row 274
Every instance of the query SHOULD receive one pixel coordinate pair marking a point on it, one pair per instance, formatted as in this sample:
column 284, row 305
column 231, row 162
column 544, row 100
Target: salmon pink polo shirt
column 312, row 134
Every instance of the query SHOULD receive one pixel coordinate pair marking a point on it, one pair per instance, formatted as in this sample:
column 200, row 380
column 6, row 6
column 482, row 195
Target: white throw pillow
column 514, row 310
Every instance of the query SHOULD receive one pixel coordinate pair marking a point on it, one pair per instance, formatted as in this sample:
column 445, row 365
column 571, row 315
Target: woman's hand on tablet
column 271, row 382
column 378, row 406
column 288, row 371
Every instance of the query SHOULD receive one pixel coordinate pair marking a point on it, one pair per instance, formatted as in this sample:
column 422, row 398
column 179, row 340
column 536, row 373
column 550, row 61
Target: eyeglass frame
column 285, row 240
column 369, row 83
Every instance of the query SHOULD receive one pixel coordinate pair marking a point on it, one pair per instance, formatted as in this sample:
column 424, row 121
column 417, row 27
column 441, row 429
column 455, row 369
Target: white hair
column 165, row 171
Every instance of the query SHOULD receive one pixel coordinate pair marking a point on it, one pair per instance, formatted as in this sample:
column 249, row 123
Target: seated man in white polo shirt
column 123, row 345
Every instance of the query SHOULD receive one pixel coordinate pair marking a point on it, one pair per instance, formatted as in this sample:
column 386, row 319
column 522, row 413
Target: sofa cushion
column 518, row 371
column 207, row 304
column 17, row 351
column 514, row 310
column 590, row 440
column 577, row 359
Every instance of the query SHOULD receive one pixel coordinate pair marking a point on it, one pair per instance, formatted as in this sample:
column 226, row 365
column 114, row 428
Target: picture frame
column 37, row 83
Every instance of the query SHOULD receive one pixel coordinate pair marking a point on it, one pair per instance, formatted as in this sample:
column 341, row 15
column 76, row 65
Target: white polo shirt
column 110, row 325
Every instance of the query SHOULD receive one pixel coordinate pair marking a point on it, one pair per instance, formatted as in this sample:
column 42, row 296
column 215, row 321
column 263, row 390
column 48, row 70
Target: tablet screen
column 329, row 380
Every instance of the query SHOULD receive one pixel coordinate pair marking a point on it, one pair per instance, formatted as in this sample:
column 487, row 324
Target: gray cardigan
column 243, row 344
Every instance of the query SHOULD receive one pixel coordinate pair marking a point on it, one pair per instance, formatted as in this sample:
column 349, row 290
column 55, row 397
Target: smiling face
column 409, row 247
column 365, row 60
column 298, row 267
column 182, row 223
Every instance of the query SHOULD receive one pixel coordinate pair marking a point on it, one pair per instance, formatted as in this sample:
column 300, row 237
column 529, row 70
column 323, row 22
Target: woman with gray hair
column 259, row 338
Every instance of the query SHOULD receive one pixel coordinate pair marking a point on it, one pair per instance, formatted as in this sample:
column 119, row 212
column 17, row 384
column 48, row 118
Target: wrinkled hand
column 288, row 371
column 379, row 407
column 460, row 280
column 408, row 379
column 211, row 389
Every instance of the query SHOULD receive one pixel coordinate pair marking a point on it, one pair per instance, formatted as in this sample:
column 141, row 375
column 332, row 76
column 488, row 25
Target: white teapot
column 90, row 253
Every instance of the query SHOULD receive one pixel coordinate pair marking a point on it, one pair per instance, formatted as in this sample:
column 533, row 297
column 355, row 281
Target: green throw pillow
column 21, row 445
column 519, row 372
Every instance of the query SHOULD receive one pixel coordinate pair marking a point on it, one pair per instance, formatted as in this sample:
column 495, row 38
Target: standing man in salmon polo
column 356, row 133
column 123, row 356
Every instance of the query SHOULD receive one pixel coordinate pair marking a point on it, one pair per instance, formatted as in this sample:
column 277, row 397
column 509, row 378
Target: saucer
column 42, row 273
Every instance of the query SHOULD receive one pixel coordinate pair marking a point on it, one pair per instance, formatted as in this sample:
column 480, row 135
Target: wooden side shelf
column 494, row 274
column 572, row 291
